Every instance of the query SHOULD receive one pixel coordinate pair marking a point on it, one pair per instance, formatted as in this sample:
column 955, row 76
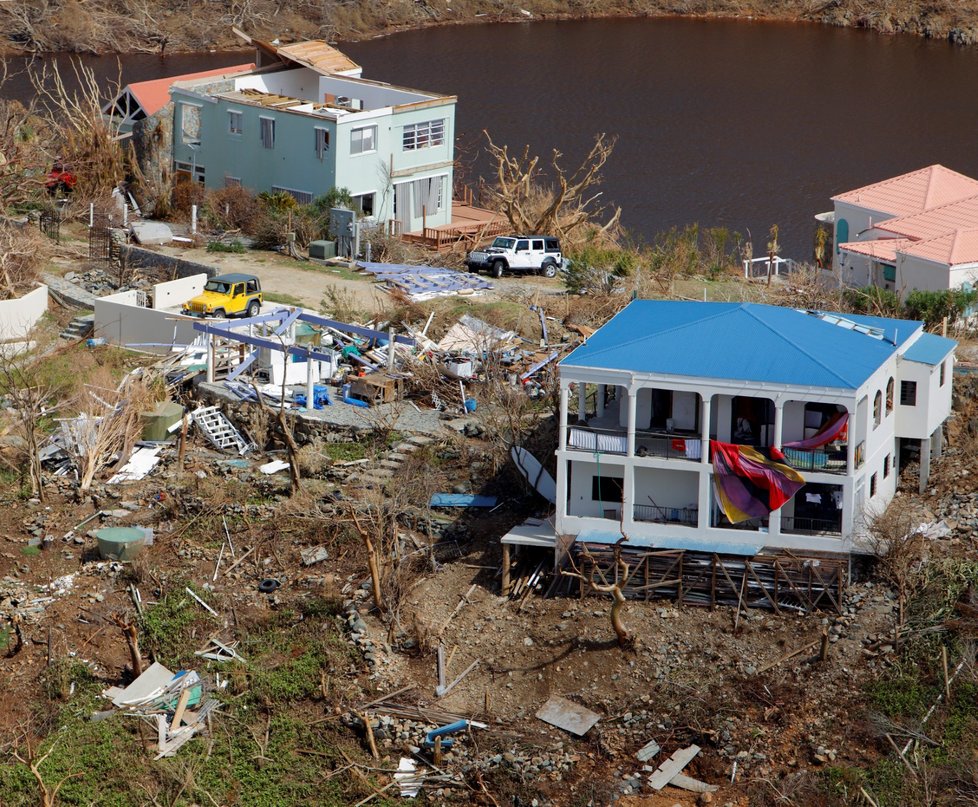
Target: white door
column 521, row 258
column 537, row 252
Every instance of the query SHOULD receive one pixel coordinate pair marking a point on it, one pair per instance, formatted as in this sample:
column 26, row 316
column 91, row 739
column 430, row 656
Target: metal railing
column 753, row 525
column 810, row 526
column 826, row 462
column 647, row 444
column 688, row 516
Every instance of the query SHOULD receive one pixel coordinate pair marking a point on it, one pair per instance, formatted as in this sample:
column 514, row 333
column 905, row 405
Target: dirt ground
column 311, row 283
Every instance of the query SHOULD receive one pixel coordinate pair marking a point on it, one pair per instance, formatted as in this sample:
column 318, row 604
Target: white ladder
column 219, row 430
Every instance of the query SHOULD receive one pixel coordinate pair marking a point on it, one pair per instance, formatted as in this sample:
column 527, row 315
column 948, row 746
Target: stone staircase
column 383, row 470
column 80, row 327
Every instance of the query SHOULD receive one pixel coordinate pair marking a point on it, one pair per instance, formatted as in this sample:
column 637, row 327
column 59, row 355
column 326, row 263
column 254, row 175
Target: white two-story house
column 641, row 400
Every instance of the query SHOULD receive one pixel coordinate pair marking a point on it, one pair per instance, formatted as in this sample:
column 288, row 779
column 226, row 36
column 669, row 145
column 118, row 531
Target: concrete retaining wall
column 19, row 316
column 171, row 265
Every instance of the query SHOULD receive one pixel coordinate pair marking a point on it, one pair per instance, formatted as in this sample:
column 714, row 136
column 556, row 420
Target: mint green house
column 309, row 123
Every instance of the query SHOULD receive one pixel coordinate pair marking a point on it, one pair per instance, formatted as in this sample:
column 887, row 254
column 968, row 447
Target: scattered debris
column 567, row 715
column 647, row 751
column 159, row 692
column 219, row 430
column 534, row 472
column 215, row 650
column 672, row 767
column 462, row 500
column 273, row 467
column 425, row 282
column 313, row 554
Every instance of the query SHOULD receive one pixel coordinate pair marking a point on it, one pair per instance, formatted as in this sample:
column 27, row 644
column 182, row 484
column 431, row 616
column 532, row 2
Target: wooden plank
column 181, row 708
column 668, row 770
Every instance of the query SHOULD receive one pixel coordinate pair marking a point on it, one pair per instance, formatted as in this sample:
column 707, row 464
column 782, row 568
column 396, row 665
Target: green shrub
column 220, row 246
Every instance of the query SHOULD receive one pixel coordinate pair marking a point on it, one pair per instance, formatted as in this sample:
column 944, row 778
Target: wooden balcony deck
column 470, row 224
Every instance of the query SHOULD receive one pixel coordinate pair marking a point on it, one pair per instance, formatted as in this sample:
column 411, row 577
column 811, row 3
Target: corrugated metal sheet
column 741, row 342
column 929, row 349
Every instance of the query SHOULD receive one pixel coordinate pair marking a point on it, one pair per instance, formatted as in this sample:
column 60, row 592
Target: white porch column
column 778, row 422
column 211, row 357
column 599, row 404
column 564, row 402
column 628, row 499
column 581, row 401
column 851, row 442
column 705, row 414
column 632, row 417
column 703, row 499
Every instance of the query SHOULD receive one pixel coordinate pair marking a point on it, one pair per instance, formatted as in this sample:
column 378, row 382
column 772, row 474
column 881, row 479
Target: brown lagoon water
column 727, row 123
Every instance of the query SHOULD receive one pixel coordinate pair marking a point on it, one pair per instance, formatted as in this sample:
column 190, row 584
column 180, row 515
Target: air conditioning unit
column 344, row 102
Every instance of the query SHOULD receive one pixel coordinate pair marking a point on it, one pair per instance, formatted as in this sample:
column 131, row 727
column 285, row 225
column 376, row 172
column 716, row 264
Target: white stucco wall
column 860, row 221
column 174, row 293
column 19, row 316
column 120, row 320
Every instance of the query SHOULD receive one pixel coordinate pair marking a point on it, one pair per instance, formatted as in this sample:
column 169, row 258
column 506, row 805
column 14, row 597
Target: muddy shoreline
column 96, row 29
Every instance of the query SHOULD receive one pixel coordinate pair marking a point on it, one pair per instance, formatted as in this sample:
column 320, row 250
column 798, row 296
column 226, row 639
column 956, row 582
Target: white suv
column 518, row 253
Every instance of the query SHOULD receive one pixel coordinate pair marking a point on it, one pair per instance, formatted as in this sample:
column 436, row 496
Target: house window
column 607, row 488
column 322, row 143
column 235, row 122
column 267, row 132
column 889, row 395
column 943, row 371
column 886, row 466
column 184, row 171
column 908, row 393
column 363, row 140
column 190, row 123
column 872, row 486
column 877, row 409
column 424, row 135
column 232, row 182
column 302, row 197
column 364, row 202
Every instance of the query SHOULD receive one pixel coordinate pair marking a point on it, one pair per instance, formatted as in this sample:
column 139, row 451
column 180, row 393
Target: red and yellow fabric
column 751, row 482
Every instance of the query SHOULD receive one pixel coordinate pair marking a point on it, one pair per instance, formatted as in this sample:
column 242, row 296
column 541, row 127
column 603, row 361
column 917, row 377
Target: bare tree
column 570, row 204
column 31, row 398
column 107, row 426
column 625, row 639
column 86, row 142
column 31, row 757
column 21, row 253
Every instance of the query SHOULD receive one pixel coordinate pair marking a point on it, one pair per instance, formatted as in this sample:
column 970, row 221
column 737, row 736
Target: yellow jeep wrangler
column 227, row 296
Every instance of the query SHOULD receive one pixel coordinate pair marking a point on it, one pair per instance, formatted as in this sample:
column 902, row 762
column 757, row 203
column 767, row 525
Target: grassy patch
column 30, row 551
column 283, row 299
column 220, row 246
column 345, row 452
column 902, row 695
column 167, row 627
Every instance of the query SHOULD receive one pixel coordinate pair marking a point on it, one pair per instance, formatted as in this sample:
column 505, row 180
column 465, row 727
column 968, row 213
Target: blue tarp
column 462, row 500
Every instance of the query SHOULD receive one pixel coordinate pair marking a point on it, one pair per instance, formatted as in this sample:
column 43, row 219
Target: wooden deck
column 469, row 225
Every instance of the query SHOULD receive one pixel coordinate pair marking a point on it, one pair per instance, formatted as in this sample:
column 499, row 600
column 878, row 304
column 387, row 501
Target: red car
column 60, row 179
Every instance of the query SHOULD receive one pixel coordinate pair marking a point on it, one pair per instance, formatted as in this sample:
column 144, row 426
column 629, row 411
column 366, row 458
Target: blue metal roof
column 742, row 342
column 929, row 349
